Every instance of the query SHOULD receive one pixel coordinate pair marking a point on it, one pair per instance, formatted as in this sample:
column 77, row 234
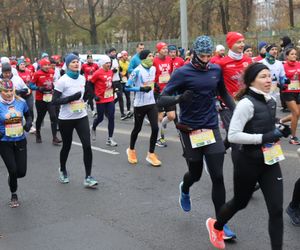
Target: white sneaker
column 93, row 133
column 110, row 142
column 32, row 130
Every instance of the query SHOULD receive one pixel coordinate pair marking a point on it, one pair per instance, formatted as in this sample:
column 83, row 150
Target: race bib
column 14, row 129
column 202, row 137
column 108, row 93
column 47, row 97
column 164, row 78
column 294, row 85
column 272, row 153
column 77, row 106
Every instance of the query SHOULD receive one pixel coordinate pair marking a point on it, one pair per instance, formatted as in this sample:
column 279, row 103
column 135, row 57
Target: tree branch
column 109, row 14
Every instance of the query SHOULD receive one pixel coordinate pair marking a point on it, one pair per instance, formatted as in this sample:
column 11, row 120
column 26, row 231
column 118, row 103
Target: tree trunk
column 8, row 39
column 224, row 20
column 291, row 13
column 93, row 27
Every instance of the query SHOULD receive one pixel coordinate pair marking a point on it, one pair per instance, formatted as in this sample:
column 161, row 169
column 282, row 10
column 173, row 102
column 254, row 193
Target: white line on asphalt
column 112, row 152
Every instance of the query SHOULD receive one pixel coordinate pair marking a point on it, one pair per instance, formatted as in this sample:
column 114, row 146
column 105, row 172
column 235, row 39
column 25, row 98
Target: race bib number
column 272, row 153
column 47, row 97
column 108, row 93
column 14, row 130
column 164, row 78
column 294, row 85
column 77, row 106
column 202, row 137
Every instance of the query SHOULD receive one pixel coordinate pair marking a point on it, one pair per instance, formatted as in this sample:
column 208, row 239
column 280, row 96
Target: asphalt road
column 134, row 207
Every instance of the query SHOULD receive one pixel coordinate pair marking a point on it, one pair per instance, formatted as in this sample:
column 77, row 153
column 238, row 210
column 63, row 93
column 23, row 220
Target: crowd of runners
column 193, row 89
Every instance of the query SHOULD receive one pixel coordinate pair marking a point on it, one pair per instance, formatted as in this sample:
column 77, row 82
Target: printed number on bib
column 47, row 97
column 77, row 106
column 202, row 137
column 108, row 93
column 14, row 129
column 272, row 153
column 164, row 78
column 294, row 85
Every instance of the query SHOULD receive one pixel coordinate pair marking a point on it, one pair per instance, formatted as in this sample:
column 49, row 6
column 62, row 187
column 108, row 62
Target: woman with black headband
column 253, row 126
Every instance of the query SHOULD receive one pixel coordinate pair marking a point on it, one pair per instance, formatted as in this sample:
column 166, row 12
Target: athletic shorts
column 167, row 109
column 291, row 96
column 196, row 154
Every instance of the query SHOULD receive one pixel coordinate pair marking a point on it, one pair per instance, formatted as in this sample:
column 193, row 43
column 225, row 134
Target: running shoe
column 14, row 202
column 294, row 214
column 90, row 182
column 93, row 133
column 153, row 160
column 63, row 178
column 294, row 140
column 147, row 121
column 110, row 142
column 56, row 141
column 184, row 199
column 94, row 114
column 124, row 117
column 228, row 234
column 131, row 154
column 215, row 236
column 129, row 114
column 32, row 130
column 38, row 137
column 161, row 142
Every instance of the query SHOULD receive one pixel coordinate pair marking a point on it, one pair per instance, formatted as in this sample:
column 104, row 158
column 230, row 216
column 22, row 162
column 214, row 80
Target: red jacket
column 292, row 71
column 164, row 68
column 43, row 79
column 89, row 69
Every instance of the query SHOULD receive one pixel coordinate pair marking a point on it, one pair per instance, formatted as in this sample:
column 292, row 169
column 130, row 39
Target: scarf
column 147, row 63
column 267, row 96
column 73, row 74
column 235, row 56
column 270, row 59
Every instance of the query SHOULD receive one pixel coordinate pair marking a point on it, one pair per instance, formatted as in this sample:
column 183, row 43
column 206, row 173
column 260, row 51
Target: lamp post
column 183, row 24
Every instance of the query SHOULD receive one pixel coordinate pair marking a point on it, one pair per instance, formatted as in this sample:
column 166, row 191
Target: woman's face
column 263, row 81
column 7, row 94
column 74, row 65
column 248, row 52
column 22, row 66
column 292, row 56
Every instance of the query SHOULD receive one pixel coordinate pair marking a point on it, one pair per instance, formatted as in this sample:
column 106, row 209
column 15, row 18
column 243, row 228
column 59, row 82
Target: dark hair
column 288, row 51
column 249, row 76
column 142, row 44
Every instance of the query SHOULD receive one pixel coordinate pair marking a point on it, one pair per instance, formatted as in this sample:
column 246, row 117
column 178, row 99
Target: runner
column 253, row 126
column 177, row 61
column 68, row 93
column 13, row 149
column 163, row 64
column 285, row 45
column 29, row 66
column 104, row 93
column 248, row 51
column 291, row 93
column 219, row 53
column 141, row 82
column 197, row 84
column 261, row 50
column 42, row 82
column 135, row 60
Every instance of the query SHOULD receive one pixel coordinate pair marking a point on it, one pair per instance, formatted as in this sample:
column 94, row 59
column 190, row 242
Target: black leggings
column 119, row 89
column 215, row 167
column 295, row 203
column 139, row 115
column 82, row 128
column 42, row 108
column 247, row 173
column 14, row 155
column 29, row 102
column 107, row 109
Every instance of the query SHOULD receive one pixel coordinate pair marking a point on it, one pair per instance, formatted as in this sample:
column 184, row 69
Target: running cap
column 247, row 46
column 232, row 38
column 124, row 53
column 203, row 45
column 6, row 84
column 89, row 56
column 144, row 53
column 104, row 59
column 4, row 59
column 160, row 45
column 69, row 58
column 44, row 62
column 20, row 61
column 44, row 54
column 27, row 59
column 6, row 67
column 219, row 47
column 261, row 45
column 270, row 46
column 172, row 47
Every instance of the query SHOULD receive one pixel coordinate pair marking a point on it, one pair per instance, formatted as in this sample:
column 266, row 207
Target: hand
column 287, row 81
column 97, row 98
column 74, row 97
column 145, row 89
column 284, row 129
column 272, row 136
column 41, row 89
column 27, row 126
column 187, row 96
column 282, row 86
column 114, row 70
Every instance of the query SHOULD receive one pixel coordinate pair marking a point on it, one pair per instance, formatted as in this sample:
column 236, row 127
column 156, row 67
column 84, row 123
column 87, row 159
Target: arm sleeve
column 130, row 85
column 57, row 99
column 242, row 114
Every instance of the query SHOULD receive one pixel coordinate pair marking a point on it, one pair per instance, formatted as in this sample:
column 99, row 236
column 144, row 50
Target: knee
column 171, row 116
column 218, row 179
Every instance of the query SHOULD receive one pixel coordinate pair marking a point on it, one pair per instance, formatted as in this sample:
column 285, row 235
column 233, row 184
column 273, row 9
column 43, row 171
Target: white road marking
column 112, row 152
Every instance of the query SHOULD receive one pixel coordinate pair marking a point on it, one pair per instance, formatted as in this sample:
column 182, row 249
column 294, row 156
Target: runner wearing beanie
column 248, row 51
column 285, row 45
column 219, row 53
column 104, row 93
column 261, row 51
column 163, row 65
column 177, row 61
column 13, row 149
column 197, row 84
column 253, row 126
column 141, row 81
column 42, row 82
column 70, row 94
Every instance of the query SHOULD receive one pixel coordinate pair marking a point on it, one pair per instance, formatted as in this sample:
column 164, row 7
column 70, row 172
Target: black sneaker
column 123, row 117
column 294, row 214
column 38, row 137
column 14, row 202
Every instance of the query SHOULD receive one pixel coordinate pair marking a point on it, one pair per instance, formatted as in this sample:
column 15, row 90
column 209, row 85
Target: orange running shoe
column 131, row 156
column 215, row 236
column 153, row 160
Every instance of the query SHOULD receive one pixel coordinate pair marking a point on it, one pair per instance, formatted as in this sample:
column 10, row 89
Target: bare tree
column 291, row 13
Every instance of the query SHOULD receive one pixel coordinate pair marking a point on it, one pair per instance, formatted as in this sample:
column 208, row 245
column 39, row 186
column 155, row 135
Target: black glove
column 186, row 96
column 22, row 91
column 97, row 98
column 156, row 88
column 145, row 89
column 284, row 129
column 282, row 86
column 272, row 136
column 27, row 126
column 74, row 97
column 114, row 70
column 287, row 81
column 41, row 89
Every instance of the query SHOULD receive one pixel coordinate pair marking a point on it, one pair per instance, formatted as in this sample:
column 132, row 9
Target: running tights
column 214, row 164
column 296, row 195
column 139, row 115
column 107, row 109
column 82, row 128
column 42, row 108
column 14, row 155
column 119, row 90
column 247, row 173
